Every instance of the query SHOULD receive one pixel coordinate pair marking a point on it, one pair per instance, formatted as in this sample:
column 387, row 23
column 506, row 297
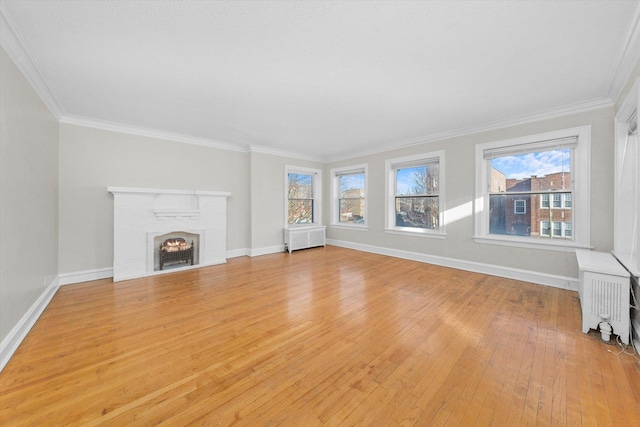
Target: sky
column 540, row 163
column 404, row 180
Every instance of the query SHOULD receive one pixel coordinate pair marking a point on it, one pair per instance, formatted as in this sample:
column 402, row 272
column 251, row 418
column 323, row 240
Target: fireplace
column 145, row 218
column 175, row 250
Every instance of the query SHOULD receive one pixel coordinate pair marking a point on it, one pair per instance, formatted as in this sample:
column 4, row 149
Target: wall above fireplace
column 142, row 214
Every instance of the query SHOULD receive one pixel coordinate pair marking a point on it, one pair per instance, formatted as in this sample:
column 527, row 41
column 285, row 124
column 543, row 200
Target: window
column 567, row 200
column 560, row 201
column 544, row 228
column 544, row 201
column 303, row 190
column 534, row 190
column 349, row 196
column 415, row 194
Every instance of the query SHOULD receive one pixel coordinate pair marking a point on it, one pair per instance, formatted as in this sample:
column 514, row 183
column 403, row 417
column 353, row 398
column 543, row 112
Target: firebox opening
column 176, row 250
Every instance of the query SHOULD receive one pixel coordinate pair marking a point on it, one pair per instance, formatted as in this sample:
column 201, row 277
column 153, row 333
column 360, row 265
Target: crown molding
column 14, row 45
column 284, row 153
column 151, row 133
column 551, row 113
column 629, row 57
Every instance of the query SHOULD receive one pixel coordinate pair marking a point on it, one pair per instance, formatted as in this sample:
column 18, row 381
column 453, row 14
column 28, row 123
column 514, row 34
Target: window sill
column 302, row 226
column 561, row 246
column 350, row 227
column 417, row 233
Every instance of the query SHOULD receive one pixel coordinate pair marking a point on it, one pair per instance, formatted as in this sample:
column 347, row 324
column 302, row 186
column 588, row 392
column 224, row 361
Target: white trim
column 334, row 216
column 12, row 341
column 137, row 190
column 235, row 253
column 317, row 192
column 417, row 232
column 284, row 153
column 150, row 133
column 14, row 45
column 580, row 107
column 267, row 250
column 562, row 282
column 85, row 276
column 581, row 204
column 560, row 245
column 389, row 194
column 628, row 57
column 349, row 227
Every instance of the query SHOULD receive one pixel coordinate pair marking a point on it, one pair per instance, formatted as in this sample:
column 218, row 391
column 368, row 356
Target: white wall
column 267, row 198
column 460, row 192
column 28, row 196
column 93, row 159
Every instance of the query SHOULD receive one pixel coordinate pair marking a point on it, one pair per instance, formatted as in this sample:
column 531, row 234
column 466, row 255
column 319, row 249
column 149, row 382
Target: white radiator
column 303, row 237
column 604, row 292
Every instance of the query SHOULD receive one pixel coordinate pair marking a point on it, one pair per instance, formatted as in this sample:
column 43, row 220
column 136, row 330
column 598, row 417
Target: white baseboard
column 235, row 253
column 10, row 343
column 267, row 250
column 85, row 276
column 562, row 282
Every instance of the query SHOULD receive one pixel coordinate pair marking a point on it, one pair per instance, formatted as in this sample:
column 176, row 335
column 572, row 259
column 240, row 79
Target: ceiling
column 319, row 79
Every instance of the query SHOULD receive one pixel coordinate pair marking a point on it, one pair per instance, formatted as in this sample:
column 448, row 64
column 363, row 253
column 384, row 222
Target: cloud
column 529, row 164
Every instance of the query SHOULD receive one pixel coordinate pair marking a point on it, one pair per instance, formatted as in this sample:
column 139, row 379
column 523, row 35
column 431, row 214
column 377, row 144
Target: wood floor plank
column 327, row 336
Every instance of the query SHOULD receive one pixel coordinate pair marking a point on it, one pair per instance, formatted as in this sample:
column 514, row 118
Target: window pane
column 418, row 212
column 544, row 201
column 567, row 229
column 557, row 229
column 567, row 200
column 351, row 211
column 537, row 171
column 418, row 180
column 300, row 211
column 351, row 185
column 544, row 228
column 503, row 218
column 300, row 186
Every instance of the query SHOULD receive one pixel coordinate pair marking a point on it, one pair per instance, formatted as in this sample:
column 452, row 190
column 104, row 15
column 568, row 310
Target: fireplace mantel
column 154, row 191
column 140, row 214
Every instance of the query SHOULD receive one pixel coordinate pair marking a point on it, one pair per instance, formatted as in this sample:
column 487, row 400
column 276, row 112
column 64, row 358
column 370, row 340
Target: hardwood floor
column 322, row 336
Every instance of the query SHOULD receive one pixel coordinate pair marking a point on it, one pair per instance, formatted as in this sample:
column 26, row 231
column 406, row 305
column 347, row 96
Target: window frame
column 580, row 204
column 316, row 175
column 335, row 174
column 524, row 207
column 391, row 166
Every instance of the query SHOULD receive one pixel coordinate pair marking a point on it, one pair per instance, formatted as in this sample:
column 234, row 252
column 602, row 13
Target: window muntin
column 349, row 196
column 302, row 187
column 498, row 186
column 416, row 194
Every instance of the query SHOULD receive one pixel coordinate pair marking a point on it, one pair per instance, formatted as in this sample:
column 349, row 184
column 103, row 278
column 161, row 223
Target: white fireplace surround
column 141, row 214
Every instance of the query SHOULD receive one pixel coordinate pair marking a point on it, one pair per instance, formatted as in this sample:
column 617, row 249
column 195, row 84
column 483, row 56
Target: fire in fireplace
column 176, row 250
